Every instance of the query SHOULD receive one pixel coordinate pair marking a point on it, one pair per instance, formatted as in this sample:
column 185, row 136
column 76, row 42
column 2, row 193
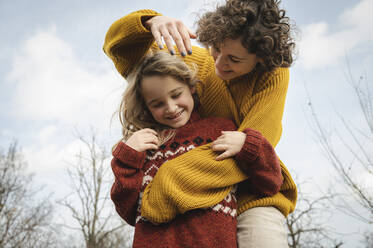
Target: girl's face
column 232, row 59
column 169, row 101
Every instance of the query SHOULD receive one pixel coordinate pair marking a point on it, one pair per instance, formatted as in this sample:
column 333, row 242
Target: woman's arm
column 127, row 41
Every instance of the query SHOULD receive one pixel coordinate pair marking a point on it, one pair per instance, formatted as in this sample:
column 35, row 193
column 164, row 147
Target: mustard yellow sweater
column 195, row 179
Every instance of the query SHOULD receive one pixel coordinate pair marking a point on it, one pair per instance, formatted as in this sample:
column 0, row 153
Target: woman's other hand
column 171, row 29
column 143, row 140
column 229, row 143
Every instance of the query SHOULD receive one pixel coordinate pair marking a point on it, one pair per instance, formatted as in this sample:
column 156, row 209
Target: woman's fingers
column 178, row 39
column 157, row 37
column 185, row 34
column 167, row 38
column 171, row 30
column 188, row 34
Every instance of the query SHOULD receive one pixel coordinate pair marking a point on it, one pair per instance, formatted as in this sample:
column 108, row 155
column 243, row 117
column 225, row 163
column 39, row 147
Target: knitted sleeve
column 127, row 41
column 259, row 161
column 126, row 165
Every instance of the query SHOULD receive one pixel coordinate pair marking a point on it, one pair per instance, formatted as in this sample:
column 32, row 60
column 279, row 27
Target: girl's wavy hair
column 133, row 112
column 263, row 27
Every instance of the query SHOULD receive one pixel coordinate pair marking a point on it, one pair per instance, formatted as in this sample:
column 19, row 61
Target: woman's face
column 232, row 59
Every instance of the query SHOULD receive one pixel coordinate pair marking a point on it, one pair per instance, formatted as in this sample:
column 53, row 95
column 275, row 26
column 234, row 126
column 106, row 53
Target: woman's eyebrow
column 235, row 57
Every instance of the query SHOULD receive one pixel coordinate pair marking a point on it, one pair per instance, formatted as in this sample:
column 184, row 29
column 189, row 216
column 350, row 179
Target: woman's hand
column 143, row 140
column 229, row 143
column 170, row 29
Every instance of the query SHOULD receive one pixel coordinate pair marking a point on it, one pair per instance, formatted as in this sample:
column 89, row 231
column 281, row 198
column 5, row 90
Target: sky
column 55, row 81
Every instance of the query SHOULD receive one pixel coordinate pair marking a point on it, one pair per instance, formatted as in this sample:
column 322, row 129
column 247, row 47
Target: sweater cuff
column 129, row 156
column 145, row 15
column 250, row 149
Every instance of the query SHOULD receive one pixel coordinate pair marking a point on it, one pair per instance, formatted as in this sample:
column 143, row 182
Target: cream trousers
column 261, row 227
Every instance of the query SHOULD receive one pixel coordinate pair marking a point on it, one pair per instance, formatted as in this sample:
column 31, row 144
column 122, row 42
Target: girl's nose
column 171, row 107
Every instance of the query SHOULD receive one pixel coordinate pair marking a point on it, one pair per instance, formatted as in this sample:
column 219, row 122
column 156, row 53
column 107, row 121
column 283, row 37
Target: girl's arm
column 126, row 166
column 264, row 170
column 255, row 156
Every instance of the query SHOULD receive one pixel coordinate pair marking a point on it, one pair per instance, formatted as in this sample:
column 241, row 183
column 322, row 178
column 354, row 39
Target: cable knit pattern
column 252, row 102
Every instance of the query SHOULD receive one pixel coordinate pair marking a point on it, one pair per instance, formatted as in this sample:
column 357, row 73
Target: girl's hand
column 229, row 143
column 170, row 29
column 143, row 140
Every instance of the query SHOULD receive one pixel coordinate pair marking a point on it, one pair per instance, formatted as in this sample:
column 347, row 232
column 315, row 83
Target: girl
column 159, row 123
column 243, row 76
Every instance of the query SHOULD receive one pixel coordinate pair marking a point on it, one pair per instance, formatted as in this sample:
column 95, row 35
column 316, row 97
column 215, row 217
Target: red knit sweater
column 212, row 227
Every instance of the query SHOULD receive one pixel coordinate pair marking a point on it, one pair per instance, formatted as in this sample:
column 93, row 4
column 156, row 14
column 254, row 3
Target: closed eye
column 175, row 96
column 234, row 60
column 157, row 105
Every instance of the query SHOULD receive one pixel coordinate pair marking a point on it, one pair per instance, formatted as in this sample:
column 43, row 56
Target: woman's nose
column 219, row 61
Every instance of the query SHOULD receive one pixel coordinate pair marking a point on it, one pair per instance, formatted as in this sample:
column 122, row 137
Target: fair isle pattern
column 153, row 159
column 227, row 209
column 167, row 154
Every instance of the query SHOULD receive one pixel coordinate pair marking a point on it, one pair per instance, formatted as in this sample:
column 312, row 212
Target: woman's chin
column 224, row 75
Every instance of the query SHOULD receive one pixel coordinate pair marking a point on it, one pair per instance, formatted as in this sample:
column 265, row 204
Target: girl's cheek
column 157, row 112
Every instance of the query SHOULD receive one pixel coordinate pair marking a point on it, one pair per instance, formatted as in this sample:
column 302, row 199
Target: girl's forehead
column 158, row 86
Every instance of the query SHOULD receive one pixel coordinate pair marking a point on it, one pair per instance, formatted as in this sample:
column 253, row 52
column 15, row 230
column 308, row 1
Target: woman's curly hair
column 263, row 27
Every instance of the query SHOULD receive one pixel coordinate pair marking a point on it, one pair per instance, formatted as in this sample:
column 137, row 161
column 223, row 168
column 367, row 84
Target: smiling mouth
column 175, row 116
column 223, row 71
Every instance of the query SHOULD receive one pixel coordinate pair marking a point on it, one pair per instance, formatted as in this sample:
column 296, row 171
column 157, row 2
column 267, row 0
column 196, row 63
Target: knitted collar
column 189, row 126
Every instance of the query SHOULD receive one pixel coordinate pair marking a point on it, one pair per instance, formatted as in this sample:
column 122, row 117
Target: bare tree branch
column 24, row 222
column 308, row 224
column 88, row 203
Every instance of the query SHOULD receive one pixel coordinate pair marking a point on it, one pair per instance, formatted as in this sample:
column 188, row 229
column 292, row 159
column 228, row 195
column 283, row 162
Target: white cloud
column 359, row 16
column 52, row 84
column 47, row 153
column 59, row 92
column 320, row 47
